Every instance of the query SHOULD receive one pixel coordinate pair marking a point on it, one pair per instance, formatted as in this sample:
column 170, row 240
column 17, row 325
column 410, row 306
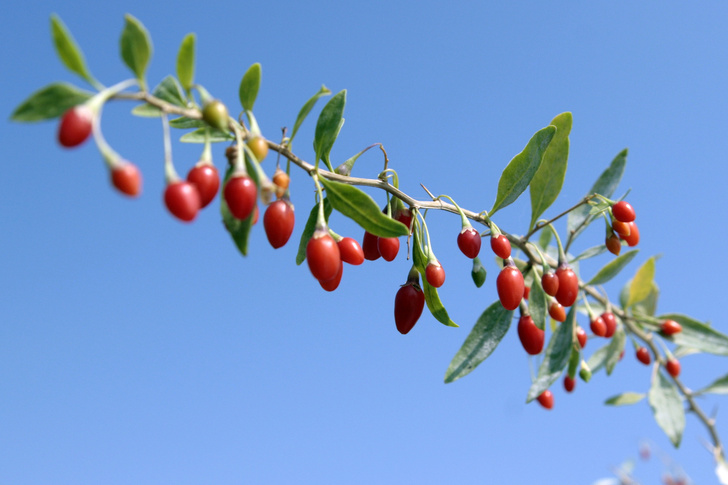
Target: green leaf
column 641, row 285
column 574, row 360
column 359, row 206
column 546, row 184
column 49, row 102
column 136, row 47
column 478, row 272
column 186, row 62
column 667, row 407
column 239, row 230
column 605, row 185
column 249, row 86
column 598, row 359
column 68, row 50
column 624, row 399
column 719, row 386
column 521, row 169
column 556, row 356
column 328, row 126
column 614, row 350
column 168, row 90
column 310, row 228
column 198, row 136
column 648, row 306
column 589, row 253
column 185, row 123
column 434, row 304
column 485, row 336
column 544, row 238
column 306, row 109
column 538, row 305
column 694, row 334
column 146, row 111
column 612, row 269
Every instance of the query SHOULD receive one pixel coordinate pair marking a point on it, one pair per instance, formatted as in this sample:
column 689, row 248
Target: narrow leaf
column 359, row 206
column 186, row 123
column 538, row 305
column 589, row 253
column 306, row 109
column 328, row 126
column 146, row 111
column 556, row 356
column 695, row 334
column 136, row 47
column 667, row 407
column 521, row 169
column 641, row 285
column 198, row 136
column 434, row 304
column 598, row 359
column 49, row 102
column 310, row 228
column 612, row 269
column 719, row 386
column 614, row 350
column 68, row 50
column 489, row 330
column 186, row 62
column 249, row 86
column 624, row 399
column 546, row 184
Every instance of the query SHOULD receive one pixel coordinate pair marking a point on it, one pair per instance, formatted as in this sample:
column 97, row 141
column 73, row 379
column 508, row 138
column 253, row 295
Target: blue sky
column 137, row 349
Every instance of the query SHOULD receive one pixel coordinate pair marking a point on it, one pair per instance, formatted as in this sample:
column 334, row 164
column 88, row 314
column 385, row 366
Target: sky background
column 137, row 349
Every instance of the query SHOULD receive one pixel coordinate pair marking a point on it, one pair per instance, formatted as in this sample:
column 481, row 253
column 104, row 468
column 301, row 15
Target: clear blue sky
column 137, row 349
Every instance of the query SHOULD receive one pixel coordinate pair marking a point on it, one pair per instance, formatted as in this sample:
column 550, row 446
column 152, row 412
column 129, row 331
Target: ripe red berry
column 550, row 283
column 75, row 126
column 621, row 228
column 207, row 181
column 333, row 283
column 469, row 241
column 259, row 147
column 501, row 246
column 581, row 336
column 611, row 322
column 546, row 399
column 322, row 255
column 370, row 246
column 643, row 355
column 388, row 247
column 634, row 235
column 568, row 285
column 557, row 312
column 435, row 274
column 614, row 245
column 127, row 179
column 278, row 221
column 240, row 195
column 215, row 113
column 598, row 327
column 182, row 200
column 404, row 216
column 350, row 251
column 673, row 367
column 569, row 383
column 670, row 327
column 510, row 287
column 526, row 292
column 623, row 211
column 408, row 305
column 530, row 335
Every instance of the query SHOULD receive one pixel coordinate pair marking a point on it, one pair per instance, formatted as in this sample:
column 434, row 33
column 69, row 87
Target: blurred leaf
column 49, row 102
column 68, row 50
column 136, row 48
column 186, row 61
column 624, row 294
column 310, row 228
column 483, row 339
column 328, row 126
column 185, row 123
column 306, row 109
column 625, row 399
column 598, row 359
column 694, row 334
column 168, row 90
column 612, row 269
column 478, row 272
column 614, row 350
column 589, row 253
column 544, row 238
column 521, row 169
column 549, row 178
column 719, row 386
column 146, row 111
column 249, row 86
column 667, row 407
column 648, row 306
column 538, row 305
column 198, row 136
column 556, row 356
column 641, row 284
column 574, row 360
column 359, row 206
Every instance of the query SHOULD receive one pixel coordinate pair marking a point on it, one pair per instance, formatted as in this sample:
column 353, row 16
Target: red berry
column 614, row 245
column 634, row 235
column 581, row 336
column 207, row 181
column 531, row 336
column 569, row 383
column 643, row 355
column 598, row 327
column 546, row 399
column 333, row 283
column 526, row 292
column 350, row 251
column 408, row 305
column 182, row 200
column 278, row 222
column 501, row 246
column 673, row 367
column 255, row 215
column 259, row 147
column 388, row 247
column 623, row 211
column 404, row 216
column 322, row 255
column 611, row 322
column 557, row 312
column 127, row 179
column 469, row 241
column 240, row 195
column 621, row 228
column 75, row 126
column 670, row 327
column 510, row 287
column 550, row 283
column 568, row 285
column 370, row 246
column 435, row 274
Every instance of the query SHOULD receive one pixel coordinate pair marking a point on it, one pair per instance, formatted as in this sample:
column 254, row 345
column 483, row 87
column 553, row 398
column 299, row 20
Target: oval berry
column 621, row 228
column 408, row 305
column 623, row 211
column 581, row 336
column 614, row 245
column 215, row 113
column 611, row 322
column 259, row 147
column 435, row 274
column 127, row 179
column 350, row 251
column 546, row 399
column 75, row 126
column 322, row 255
column 333, row 283
column 469, row 241
column 643, row 355
column 207, row 181
column 557, row 312
column 531, row 337
column 568, row 286
column 388, row 247
column 598, row 327
column 550, row 283
column 510, row 287
column 240, row 195
column 281, row 180
column 182, row 200
column 405, row 217
column 278, row 222
column 370, row 246
column 526, row 292
column 673, row 367
column 569, row 383
column 501, row 246
column 670, row 327
column 633, row 238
